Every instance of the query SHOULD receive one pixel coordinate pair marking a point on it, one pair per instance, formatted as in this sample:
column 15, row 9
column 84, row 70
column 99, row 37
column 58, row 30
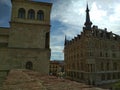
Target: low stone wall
column 3, row 75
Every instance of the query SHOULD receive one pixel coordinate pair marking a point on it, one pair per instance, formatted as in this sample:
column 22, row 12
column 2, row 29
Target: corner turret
column 87, row 23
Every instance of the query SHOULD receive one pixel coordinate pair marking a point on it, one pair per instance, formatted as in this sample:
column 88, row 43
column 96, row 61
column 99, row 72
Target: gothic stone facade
column 26, row 43
column 94, row 56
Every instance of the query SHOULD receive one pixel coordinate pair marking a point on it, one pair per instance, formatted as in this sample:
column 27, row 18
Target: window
column 114, row 75
column 106, row 54
column 107, row 66
column 21, row 13
column 114, row 55
column 103, row 77
column 91, row 69
column 114, row 66
column 102, row 67
column 78, row 66
column 81, row 66
column 113, row 47
column 90, row 53
column 40, row 15
column 47, row 40
column 82, row 76
column 101, row 54
column 108, row 76
column 119, row 75
column 31, row 14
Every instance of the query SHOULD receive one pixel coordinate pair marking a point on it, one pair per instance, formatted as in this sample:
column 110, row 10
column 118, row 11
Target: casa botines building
column 93, row 57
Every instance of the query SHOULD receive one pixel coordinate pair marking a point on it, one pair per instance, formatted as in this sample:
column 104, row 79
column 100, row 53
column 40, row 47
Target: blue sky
column 68, row 17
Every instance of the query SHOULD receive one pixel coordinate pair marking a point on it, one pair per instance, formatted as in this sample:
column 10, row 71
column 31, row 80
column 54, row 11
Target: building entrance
column 29, row 65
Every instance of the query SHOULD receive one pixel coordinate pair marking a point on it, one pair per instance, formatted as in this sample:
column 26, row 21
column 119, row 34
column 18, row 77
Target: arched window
column 31, row 14
column 21, row 13
column 40, row 15
column 29, row 65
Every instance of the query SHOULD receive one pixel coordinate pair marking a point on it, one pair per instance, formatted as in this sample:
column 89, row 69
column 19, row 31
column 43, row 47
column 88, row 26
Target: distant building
column 56, row 67
column 94, row 56
column 25, row 45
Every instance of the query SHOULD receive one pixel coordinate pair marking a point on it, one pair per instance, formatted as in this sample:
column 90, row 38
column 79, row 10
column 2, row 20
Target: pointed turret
column 88, row 23
column 65, row 40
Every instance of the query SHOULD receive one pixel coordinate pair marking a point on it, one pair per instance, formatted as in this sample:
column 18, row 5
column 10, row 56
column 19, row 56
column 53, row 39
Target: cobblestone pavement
column 54, row 83
column 29, row 80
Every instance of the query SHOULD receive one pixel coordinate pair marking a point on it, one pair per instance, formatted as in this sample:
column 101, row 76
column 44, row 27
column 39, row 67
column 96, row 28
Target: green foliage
column 116, row 86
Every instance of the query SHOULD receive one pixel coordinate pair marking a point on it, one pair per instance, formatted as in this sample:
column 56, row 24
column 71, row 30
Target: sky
column 68, row 17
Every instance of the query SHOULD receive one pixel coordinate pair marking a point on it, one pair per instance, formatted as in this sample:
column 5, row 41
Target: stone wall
column 25, row 45
column 27, row 35
column 17, row 58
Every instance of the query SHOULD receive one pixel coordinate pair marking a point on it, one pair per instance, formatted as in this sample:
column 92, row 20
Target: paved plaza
column 29, row 80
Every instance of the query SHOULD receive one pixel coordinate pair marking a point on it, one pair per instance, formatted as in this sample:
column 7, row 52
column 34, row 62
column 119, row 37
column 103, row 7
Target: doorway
column 29, row 65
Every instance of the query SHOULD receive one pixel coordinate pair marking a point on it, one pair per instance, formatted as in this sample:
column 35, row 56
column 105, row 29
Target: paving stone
column 30, row 80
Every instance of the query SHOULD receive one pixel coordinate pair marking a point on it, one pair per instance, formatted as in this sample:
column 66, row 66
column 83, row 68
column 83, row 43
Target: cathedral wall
column 27, row 36
column 17, row 58
column 25, row 45
column 4, row 35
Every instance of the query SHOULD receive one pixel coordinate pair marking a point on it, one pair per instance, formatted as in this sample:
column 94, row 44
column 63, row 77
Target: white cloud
column 116, row 15
column 71, row 13
column 57, row 56
column 57, row 48
column 67, row 12
column 97, row 14
column 6, row 2
column 72, row 31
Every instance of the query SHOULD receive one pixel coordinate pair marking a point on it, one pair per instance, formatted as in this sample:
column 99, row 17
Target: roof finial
column 88, row 23
column 87, row 7
column 65, row 40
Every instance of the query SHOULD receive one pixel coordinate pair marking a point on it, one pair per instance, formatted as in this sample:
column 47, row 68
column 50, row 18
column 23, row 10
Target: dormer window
column 40, row 15
column 31, row 14
column 21, row 13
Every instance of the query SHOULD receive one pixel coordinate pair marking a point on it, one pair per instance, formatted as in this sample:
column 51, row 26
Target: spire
column 88, row 23
column 65, row 40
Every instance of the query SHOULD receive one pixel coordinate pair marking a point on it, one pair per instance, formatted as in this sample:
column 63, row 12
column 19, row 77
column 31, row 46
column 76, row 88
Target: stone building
column 56, row 67
column 25, row 45
column 93, row 56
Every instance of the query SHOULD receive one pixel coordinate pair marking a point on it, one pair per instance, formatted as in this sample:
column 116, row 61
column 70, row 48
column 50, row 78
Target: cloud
column 57, row 56
column 66, row 12
column 57, row 48
column 42, row 0
column 115, row 16
column 5, row 2
column 97, row 14
column 71, row 14
column 68, row 17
